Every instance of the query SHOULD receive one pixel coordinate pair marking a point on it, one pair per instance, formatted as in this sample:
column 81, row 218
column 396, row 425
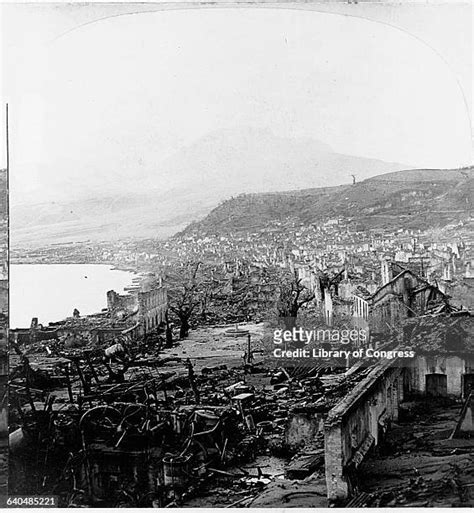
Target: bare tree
column 208, row 290
column 292, row 296
column 186, row 288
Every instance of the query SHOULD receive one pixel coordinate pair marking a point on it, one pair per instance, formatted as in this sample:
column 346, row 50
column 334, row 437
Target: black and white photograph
column 4, row 319
column 237, row 254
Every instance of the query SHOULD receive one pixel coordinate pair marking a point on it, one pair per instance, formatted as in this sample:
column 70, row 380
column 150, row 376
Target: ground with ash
column 419, row 465
column 270, row 450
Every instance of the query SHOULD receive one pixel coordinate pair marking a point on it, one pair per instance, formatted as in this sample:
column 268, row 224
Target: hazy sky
column 116, row 97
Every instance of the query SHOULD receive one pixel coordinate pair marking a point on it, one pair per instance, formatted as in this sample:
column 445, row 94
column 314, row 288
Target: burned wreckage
column 105, row 411
column 97, row 417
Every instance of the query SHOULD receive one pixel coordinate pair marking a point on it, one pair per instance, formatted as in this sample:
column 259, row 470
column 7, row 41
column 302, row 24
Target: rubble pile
column 140, row 425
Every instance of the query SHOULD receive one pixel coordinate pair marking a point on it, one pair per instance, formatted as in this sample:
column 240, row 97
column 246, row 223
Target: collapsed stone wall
column 125, row 303
column 358, row 423
column 149, row 305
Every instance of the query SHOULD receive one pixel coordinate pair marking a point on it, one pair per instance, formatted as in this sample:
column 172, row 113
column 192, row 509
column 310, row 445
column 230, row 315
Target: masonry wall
column 152, row 306
column 337, row 485
column 357, row 423
column 120, row 303
column 452, row 366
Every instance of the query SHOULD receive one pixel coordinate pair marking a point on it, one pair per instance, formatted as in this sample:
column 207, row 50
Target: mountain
column 407, row 199
column 187, row 186
column 255, row 160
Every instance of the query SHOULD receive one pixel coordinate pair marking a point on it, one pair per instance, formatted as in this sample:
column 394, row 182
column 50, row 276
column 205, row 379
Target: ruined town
column 237, row 254
column 179, row 393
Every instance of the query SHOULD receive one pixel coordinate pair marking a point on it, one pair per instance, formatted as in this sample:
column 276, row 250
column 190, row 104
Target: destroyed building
column 357, row 424
column 442, row 369
column 444, row 363
column 140, row 312
column 404, row 296
column 144, row 310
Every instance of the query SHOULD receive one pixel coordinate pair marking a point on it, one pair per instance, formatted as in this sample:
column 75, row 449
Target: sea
column 51, row 292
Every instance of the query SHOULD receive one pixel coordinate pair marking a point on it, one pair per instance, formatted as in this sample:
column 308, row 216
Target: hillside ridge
column 415, row 198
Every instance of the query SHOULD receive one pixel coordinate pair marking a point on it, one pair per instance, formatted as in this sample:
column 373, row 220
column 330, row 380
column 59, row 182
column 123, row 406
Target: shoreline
column 113, row 267
column 134, row 278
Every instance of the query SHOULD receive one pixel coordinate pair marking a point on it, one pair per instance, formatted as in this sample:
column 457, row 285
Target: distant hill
column 185, row 187
column 427, row 175
column 406, row 199
column 155, row 214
